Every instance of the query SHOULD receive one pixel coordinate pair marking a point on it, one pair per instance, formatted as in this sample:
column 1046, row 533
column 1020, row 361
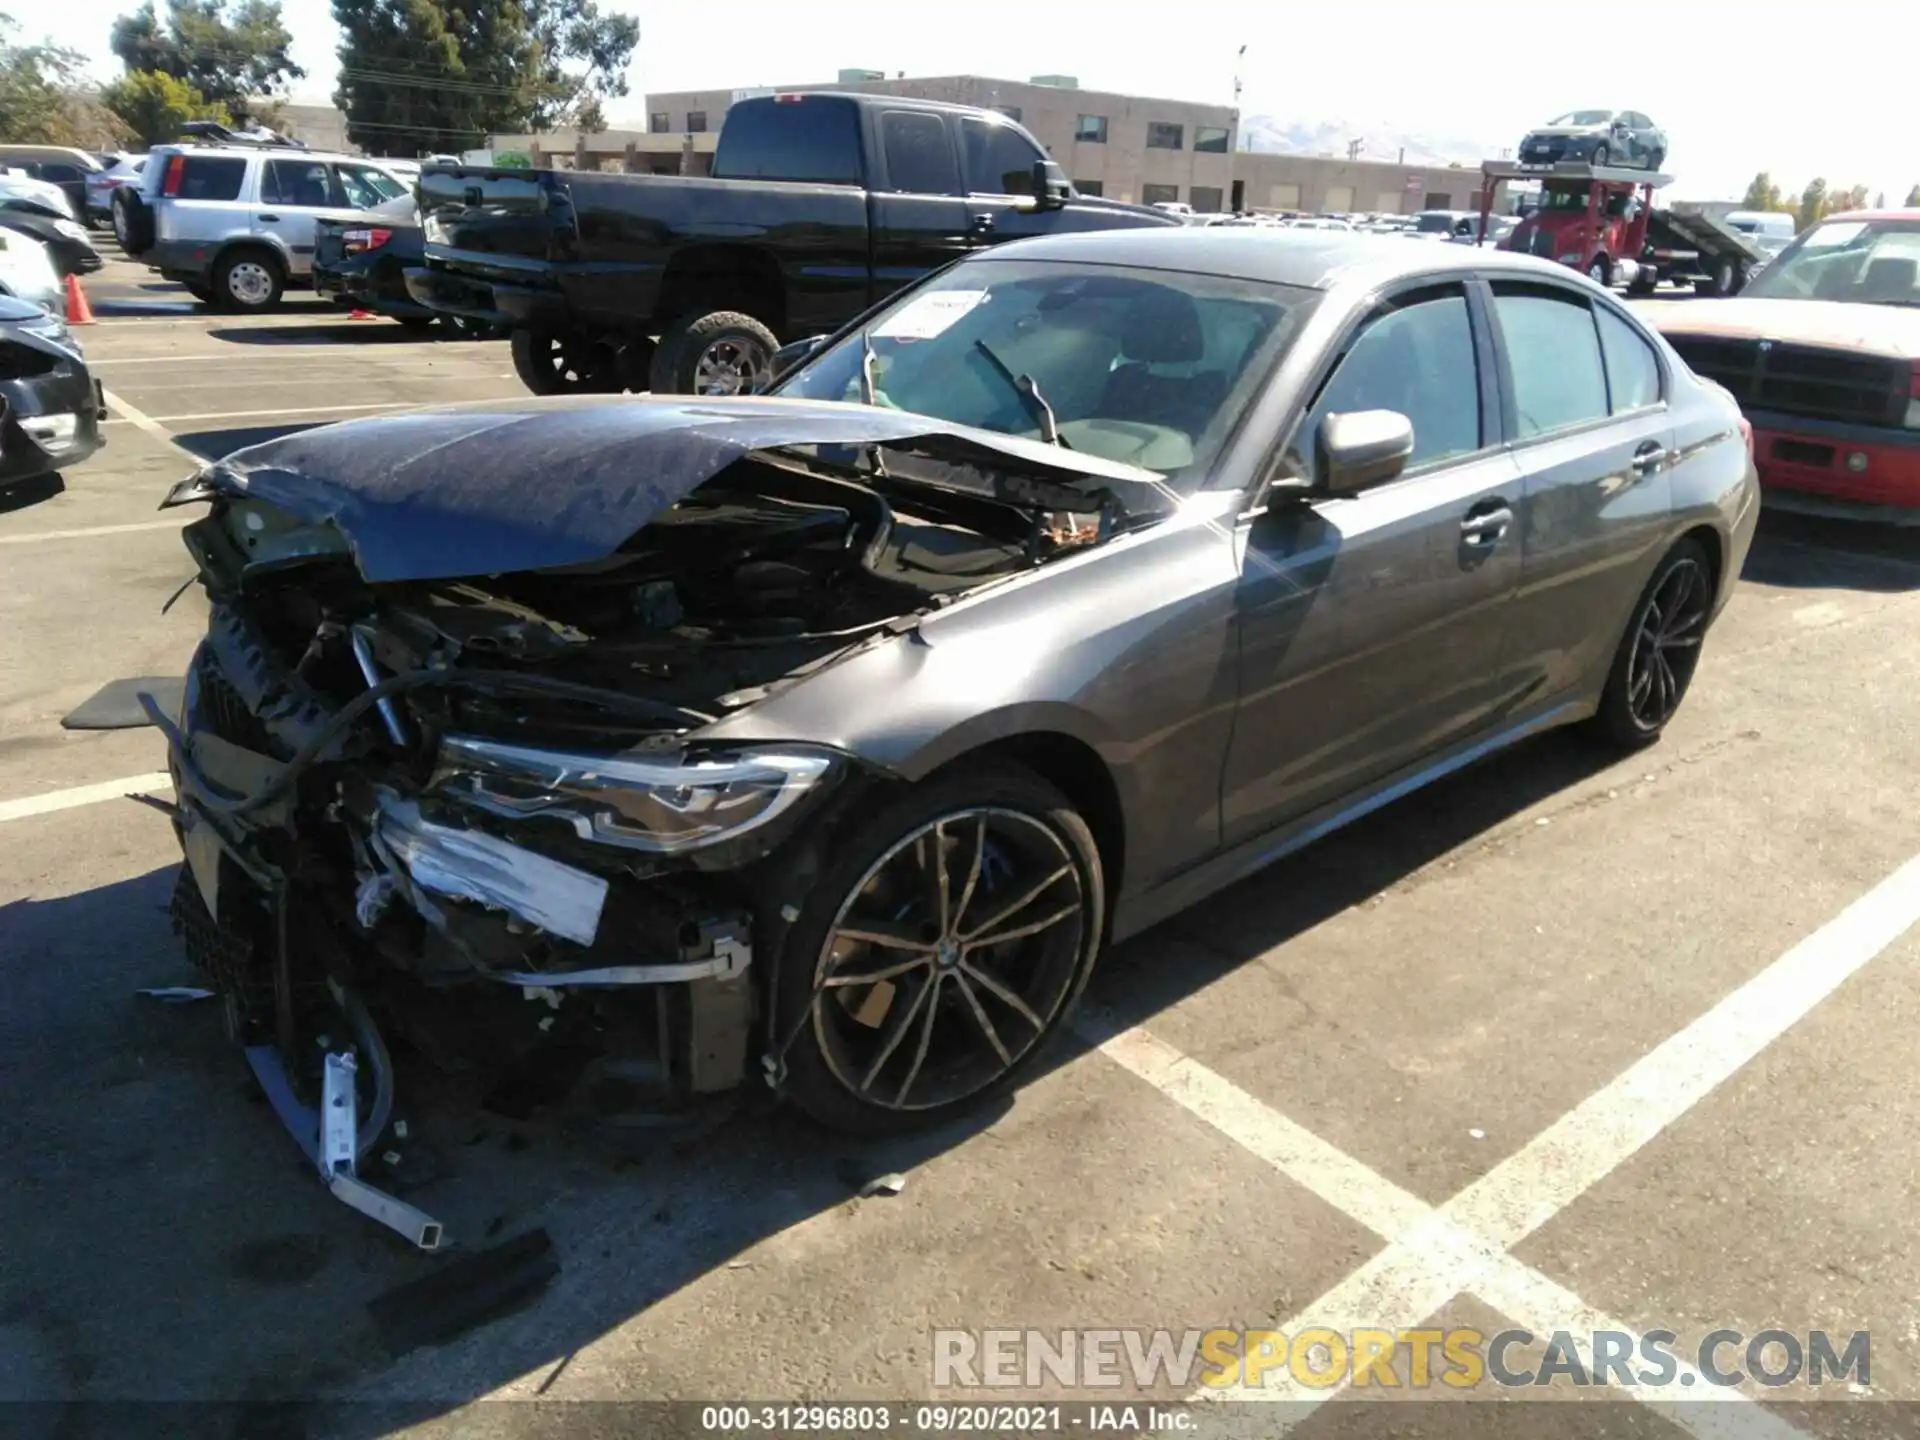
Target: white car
column 27, row 273
column 101, row 184
column 15, row 181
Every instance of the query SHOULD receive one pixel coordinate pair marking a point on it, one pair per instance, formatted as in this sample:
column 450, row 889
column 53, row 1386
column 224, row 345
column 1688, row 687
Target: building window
column 1090, row 187
column 1205, row 198
column 1160, row 194
column 1438, row 200
column 696, row 122
column 1162, row 136
column 1209, row 139
column 1091, row 130
column 1012, row 112
column 659, row 122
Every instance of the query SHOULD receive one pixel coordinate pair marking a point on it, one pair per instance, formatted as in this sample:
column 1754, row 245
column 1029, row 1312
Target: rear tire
column 1656, row 659
column 1645, row 281
column 550, row 362
column 1728, row 278
column 248, row 281
column 132, row 223
column 1601, row 272
column 713, row 352
column 1016, row 855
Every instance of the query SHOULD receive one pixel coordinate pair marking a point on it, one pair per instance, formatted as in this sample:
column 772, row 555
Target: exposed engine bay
column 474, row 812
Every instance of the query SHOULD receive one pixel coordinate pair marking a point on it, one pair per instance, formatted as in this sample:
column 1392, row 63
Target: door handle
column 983, row 221
column 269, row 219
column 1485, row 527
column 1650, row 458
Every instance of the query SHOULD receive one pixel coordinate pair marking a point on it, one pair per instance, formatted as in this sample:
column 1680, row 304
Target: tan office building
column 1130, row 147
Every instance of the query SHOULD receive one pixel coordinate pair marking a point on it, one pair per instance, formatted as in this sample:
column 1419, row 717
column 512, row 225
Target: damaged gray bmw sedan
column 828, row 735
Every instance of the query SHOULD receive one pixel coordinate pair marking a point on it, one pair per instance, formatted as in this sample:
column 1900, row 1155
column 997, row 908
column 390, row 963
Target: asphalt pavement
column 1564, row 1043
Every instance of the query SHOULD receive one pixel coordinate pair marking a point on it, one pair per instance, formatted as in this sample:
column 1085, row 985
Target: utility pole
column 1354, row 147
column 1233, row 135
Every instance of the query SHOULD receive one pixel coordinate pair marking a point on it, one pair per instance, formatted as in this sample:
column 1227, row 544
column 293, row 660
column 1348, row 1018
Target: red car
column 1822, row 350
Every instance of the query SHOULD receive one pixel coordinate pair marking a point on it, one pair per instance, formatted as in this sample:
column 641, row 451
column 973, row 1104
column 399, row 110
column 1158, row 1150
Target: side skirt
column 1136, row 913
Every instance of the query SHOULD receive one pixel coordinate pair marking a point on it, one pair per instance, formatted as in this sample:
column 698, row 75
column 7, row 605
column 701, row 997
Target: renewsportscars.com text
column 1460, row 1359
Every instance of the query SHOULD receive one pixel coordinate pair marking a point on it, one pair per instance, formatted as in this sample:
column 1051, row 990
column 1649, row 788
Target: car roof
column 1887, row 214
column 1313, row 259
column 272, row 152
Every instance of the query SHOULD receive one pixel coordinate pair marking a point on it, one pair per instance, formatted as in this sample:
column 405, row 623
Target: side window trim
column 1381, row 304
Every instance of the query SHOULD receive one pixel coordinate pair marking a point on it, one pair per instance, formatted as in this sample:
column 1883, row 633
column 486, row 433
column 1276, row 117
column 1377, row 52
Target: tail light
column 176, row 175
column 358, row 242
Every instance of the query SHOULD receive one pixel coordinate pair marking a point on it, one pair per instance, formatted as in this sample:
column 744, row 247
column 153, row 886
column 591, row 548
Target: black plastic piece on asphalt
column 114, row 706
column 464, row 1294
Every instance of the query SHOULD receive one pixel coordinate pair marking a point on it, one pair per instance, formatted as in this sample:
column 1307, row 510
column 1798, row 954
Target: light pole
column 1233, row 136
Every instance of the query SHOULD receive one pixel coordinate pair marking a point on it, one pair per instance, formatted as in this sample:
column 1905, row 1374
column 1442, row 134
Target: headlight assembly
column 663, row 807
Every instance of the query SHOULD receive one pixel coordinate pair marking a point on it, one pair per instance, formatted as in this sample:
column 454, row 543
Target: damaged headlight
column 660, row 806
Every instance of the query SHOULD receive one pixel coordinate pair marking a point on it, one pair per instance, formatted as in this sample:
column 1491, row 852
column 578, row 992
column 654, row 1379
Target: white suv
column 235, row 225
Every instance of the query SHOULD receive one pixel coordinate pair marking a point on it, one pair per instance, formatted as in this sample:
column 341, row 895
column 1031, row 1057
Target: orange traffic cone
column 79, row 312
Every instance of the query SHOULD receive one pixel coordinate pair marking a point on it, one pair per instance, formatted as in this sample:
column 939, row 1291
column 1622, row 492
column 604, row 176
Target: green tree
column 233, row 54
column 1813, row 203
column 43, row 99
column 1913, row 198
column 418, row 76
column 1762, row 194
column 155, row 105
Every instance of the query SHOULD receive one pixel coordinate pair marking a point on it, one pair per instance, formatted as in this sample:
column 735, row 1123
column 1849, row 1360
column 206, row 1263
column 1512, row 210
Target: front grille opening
column 1802, row 379
column 1803, row 452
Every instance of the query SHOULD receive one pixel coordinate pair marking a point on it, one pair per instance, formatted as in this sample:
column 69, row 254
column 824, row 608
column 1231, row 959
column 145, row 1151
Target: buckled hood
column 535, row 483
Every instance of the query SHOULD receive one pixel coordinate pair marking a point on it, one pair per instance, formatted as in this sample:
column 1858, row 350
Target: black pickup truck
column 819, row 206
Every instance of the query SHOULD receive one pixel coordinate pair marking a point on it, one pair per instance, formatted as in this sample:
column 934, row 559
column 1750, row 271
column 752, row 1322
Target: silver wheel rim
column 731, row 365
column 250, row 283
column 1666, row 644
column 1597, row 272
column 957, row 968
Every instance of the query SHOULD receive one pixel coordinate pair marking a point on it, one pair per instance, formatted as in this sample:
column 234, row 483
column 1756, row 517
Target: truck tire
column 713, row 352
column 1645, row 281
column 132, row 222
column 552, row 362
column 1725, row 280
column 1600, row 271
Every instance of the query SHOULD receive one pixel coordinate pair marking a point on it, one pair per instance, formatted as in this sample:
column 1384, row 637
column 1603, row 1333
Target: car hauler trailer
column 1590, row 217
column 1685, row 246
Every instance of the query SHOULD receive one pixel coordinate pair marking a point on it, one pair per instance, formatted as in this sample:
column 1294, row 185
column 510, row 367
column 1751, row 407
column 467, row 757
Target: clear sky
column 1722, row 78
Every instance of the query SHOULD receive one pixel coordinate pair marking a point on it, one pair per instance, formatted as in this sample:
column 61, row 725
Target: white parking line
column 283, row 410
column 1433, row 1255
column 253, row 354
column 80, row 795
column 144, row 422
column 34, row 537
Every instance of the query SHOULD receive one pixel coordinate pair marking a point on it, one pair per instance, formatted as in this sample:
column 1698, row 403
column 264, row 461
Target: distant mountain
column 1271, row 135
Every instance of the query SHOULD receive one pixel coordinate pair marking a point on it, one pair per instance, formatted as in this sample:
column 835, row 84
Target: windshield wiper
column 1028, row 390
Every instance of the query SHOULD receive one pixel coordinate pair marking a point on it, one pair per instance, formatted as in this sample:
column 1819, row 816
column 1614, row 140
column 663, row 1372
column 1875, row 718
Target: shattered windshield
column 1865, row 262
column 1146, row 367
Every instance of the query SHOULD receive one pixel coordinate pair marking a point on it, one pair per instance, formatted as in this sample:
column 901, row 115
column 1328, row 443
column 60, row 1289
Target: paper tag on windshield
column 926, row 316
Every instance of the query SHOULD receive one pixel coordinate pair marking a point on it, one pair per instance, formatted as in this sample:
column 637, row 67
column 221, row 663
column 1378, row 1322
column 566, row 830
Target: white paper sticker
column 926, row 316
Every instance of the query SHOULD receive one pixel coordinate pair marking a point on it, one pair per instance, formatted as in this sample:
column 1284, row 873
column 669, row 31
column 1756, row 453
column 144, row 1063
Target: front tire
column 550, row 362
column 713, row 352
column 1601, row 272
column 1657, row 657
column 939, row 950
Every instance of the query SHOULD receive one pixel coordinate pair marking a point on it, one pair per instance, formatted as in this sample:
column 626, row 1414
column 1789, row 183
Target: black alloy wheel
column 940, row 954
column 549, row 362
column 1660, row 651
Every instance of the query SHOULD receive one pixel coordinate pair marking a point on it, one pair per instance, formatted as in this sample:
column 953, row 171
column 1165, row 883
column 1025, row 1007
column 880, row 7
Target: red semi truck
column 1591, row 217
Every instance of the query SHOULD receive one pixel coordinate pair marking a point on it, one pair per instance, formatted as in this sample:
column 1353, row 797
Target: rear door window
column 1553, row 350
column 814, row 138
column 919, row 155
column 1633, row 372
column 304, row 184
